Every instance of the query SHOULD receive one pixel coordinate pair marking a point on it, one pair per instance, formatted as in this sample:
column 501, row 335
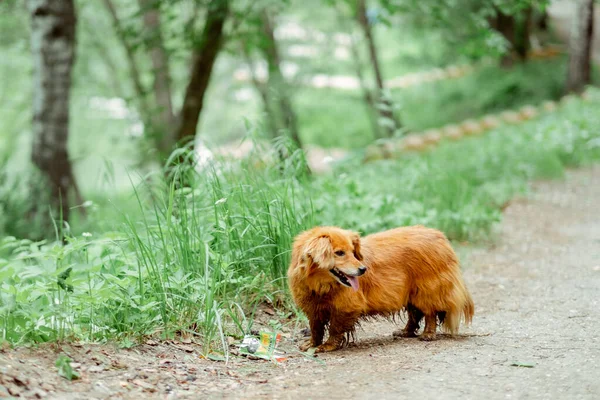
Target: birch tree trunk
column 580, row 47
column 53, row 25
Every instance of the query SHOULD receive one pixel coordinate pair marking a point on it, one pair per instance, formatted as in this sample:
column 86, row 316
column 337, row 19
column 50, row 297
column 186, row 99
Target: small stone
column 36, row 393
column 96, row 368
column 101, row 387
column 47, row 387
column 4, row 392
column 144, row 385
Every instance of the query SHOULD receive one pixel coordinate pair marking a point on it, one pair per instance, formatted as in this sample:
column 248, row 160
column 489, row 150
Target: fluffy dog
column 338, row 278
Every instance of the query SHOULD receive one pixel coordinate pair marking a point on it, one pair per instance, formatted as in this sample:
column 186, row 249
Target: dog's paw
column 428, row 337
column 326, row 347
column 403, row 333
column 305, row 345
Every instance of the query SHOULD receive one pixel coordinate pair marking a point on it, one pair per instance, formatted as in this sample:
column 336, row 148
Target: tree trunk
column 263, row 90
column 204, row 56
column 522, row 42
column 359, row 68
column 136, row 77
column 505, row 25
column 580, row 47
column 367, row 95
column 516, row 30
column 163, row 119
column 277, row 83
column 53, row 25
column 385, row 106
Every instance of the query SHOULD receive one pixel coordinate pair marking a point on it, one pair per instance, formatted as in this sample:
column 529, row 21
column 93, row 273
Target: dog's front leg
column 338, row 327
column 317, row 331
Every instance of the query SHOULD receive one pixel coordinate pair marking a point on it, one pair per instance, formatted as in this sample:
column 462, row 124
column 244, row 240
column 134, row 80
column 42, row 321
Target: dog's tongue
column 353, row 282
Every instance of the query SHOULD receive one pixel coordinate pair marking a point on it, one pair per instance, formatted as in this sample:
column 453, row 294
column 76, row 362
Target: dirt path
column 537, row 295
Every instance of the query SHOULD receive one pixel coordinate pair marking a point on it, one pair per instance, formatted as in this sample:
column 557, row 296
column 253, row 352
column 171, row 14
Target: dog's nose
column 361, row 270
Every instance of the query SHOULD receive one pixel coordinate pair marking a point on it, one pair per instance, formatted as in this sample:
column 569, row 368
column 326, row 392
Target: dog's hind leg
column 412, row 326
column 430, row 327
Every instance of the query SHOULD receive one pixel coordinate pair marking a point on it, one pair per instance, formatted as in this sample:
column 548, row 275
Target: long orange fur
column 412, row 269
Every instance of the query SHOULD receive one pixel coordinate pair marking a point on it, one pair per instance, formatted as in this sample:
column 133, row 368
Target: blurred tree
column 514, row 25
column 204, row 54
column 277, row 85
column 257, row 39
column 163, row 124
column 53, row 28
column 390, row 123
column 478, row 27
column 135, row 73
column 163, row 116
column 580, row 47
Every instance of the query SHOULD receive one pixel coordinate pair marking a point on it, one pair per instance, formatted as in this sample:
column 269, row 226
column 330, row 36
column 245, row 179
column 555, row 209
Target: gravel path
column 535, row 334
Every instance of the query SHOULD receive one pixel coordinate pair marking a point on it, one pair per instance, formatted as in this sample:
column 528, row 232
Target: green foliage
column 465, row 23
column 199, row 259
column 63, row 363
column 490, row 89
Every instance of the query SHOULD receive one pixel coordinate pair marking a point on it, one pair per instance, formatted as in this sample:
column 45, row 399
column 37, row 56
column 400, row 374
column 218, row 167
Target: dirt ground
column 535, row 334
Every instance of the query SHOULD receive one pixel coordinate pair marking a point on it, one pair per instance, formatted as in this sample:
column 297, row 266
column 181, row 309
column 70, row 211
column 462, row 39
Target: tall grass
column 197, row 260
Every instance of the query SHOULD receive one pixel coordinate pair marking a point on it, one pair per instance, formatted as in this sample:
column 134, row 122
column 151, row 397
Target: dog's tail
column 462, row 308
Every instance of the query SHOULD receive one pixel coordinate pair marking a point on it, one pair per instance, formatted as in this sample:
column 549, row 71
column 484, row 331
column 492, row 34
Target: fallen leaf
column 216, row 357
column 269, row 311
column 183, row 347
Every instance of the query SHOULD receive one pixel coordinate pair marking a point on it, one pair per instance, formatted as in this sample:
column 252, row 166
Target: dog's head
column 330, row 254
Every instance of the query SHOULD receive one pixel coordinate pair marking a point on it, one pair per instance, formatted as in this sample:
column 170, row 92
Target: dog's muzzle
column 346, row 279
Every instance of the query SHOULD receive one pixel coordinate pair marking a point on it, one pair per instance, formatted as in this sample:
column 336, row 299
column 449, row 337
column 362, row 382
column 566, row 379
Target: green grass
column 199, row 260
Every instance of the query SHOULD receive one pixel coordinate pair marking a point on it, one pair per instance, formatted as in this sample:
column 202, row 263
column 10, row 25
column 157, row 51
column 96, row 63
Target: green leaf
column 63, row 363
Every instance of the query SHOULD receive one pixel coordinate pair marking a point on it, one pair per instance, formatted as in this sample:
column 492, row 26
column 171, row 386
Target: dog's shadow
column 358, row 345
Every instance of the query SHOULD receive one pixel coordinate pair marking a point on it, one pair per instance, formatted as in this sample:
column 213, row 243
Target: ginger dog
column 338, row 278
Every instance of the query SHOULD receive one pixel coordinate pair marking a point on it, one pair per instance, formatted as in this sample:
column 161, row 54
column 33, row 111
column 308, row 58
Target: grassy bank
column 199, row 260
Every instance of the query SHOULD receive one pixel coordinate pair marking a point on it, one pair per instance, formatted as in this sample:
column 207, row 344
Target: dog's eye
column 340, row 253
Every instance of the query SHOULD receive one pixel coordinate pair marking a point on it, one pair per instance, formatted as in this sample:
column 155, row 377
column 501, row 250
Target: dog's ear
column 319, row 253
column 356, row 243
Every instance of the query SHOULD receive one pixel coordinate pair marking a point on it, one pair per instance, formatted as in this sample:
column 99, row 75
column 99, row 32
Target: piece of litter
column 263, row 347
